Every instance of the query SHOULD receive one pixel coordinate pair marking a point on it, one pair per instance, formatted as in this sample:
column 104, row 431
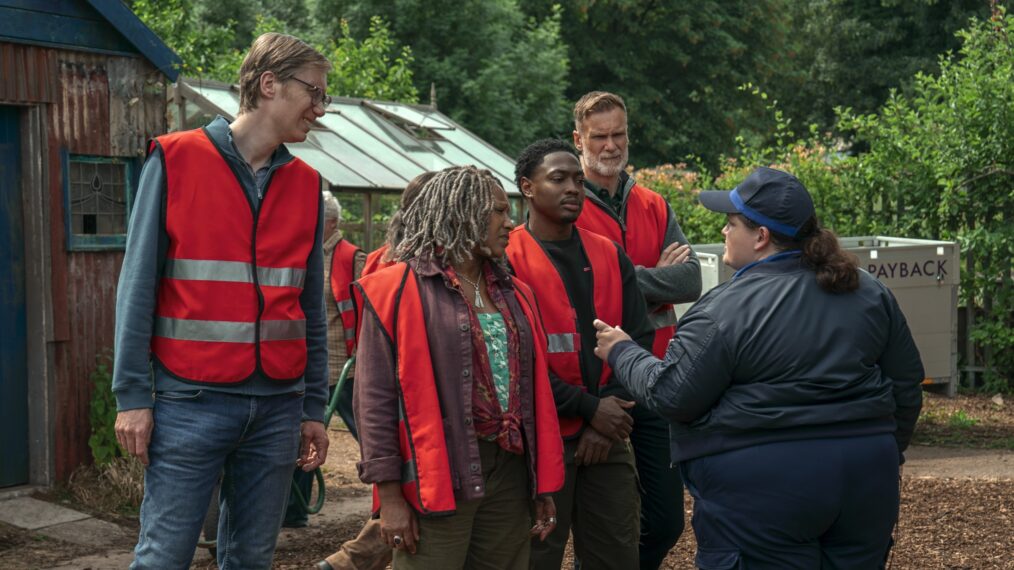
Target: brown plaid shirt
column 335, row 329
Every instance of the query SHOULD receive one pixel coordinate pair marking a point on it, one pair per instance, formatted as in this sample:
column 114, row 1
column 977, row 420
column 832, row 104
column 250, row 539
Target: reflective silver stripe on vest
column 205, row 270
column 345, row 306
column 207, row 331
column 233, row 271
column 350, row 334
column 281, row 276
column 561, row 342
column 228, row 331
column 283, row 330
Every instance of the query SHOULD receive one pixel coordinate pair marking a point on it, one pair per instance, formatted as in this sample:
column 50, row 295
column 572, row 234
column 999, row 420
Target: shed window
column 98, row 193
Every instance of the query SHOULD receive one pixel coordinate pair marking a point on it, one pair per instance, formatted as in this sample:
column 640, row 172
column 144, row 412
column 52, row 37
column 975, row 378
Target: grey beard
column 603, row 169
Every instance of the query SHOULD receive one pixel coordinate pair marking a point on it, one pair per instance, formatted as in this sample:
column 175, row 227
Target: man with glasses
column 318, row 94
column 221, row 358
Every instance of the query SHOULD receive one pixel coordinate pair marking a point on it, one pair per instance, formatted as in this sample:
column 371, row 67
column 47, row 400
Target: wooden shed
column 82, row 87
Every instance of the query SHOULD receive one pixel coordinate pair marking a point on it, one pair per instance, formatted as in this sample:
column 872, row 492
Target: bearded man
column 668, row 272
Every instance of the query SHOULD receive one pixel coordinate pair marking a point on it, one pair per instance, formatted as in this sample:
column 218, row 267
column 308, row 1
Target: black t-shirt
column 572, row 264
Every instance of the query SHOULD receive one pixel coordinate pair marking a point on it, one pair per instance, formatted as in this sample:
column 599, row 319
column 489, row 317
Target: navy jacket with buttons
column 770, row 356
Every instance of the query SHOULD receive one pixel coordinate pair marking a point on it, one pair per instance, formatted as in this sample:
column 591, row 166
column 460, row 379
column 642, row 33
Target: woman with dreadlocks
column 457, row 423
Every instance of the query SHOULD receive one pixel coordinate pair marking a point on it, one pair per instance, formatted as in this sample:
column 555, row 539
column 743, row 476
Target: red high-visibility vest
column 393, row 296
column 532, row 265
column 228, row 301
column 375, row 260
column 641, row 234
column 343, row 260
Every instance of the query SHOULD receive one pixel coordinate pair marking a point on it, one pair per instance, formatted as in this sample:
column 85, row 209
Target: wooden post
column 368, row 221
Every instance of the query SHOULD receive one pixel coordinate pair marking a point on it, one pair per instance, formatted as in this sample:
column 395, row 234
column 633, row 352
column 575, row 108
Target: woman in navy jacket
column 791, row 392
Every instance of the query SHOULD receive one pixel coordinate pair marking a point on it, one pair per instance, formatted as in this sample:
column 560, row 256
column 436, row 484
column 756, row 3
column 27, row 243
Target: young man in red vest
column 668, row 272
column 579, row 276
column 221, row 357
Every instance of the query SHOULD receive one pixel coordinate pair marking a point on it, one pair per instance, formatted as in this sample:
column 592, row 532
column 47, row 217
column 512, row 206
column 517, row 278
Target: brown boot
column 368, row 551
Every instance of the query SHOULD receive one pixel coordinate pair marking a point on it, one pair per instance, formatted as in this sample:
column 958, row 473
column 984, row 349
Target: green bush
column 941, row 165
column 102, row 412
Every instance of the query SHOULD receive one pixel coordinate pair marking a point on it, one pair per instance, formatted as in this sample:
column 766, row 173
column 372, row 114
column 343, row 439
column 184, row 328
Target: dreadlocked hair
column 448, row 217
column 837, row 270
column 396, row 228
column 532, row 157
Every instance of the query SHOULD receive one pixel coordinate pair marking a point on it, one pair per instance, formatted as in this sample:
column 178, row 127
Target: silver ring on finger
column 397, row 540
column 552, row 520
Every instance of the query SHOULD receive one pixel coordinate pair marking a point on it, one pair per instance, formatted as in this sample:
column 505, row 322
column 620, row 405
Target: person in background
column 457, row 424
column 221, row 354
column 343, row 262
column 380, row 257
column 668, row 272
column 579, row 276
column 368, row 551
column 791, row 390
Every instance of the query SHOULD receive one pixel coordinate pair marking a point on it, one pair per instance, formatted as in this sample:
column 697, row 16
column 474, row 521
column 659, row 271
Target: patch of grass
column 114, row 489
column 966, row 421
column 960, row 420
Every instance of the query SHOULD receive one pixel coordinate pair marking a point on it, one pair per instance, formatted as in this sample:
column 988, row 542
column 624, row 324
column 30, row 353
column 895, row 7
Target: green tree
column 941, row 164
column 501, row 74
column 854, row 52
column 518, row 96
column 678, row 65
column 367, row 70
column 374, row 68
column 199, row 44
column 243, row 16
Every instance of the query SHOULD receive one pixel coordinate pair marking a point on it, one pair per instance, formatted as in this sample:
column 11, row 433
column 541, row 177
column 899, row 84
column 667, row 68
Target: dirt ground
column 947, row 523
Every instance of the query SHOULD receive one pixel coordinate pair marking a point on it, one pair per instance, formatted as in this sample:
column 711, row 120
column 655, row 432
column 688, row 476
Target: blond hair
column 280, row 54
column 596, row 102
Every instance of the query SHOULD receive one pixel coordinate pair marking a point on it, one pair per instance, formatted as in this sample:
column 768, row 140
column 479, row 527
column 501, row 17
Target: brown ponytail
column 837, row 270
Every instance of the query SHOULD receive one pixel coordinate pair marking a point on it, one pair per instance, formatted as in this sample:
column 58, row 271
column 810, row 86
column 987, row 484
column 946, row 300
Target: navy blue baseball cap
column 769, row 197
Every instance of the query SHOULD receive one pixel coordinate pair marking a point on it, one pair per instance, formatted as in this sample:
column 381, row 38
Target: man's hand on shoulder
column 133, row 431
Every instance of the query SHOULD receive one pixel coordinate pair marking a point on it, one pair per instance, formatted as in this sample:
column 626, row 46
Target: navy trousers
column 820, row 503
column 661, row 488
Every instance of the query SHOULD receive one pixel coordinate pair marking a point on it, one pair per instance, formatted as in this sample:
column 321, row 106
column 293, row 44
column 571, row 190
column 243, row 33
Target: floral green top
column 495, row 333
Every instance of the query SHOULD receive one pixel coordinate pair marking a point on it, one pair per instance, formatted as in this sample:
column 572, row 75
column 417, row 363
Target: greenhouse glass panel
column 354, row 159
column 429, row 120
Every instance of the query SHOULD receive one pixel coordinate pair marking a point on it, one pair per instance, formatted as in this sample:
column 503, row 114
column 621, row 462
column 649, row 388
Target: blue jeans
column 197, row 436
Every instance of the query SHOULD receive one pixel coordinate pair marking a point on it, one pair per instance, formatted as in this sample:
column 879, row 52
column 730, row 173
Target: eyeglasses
column 318, row 94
